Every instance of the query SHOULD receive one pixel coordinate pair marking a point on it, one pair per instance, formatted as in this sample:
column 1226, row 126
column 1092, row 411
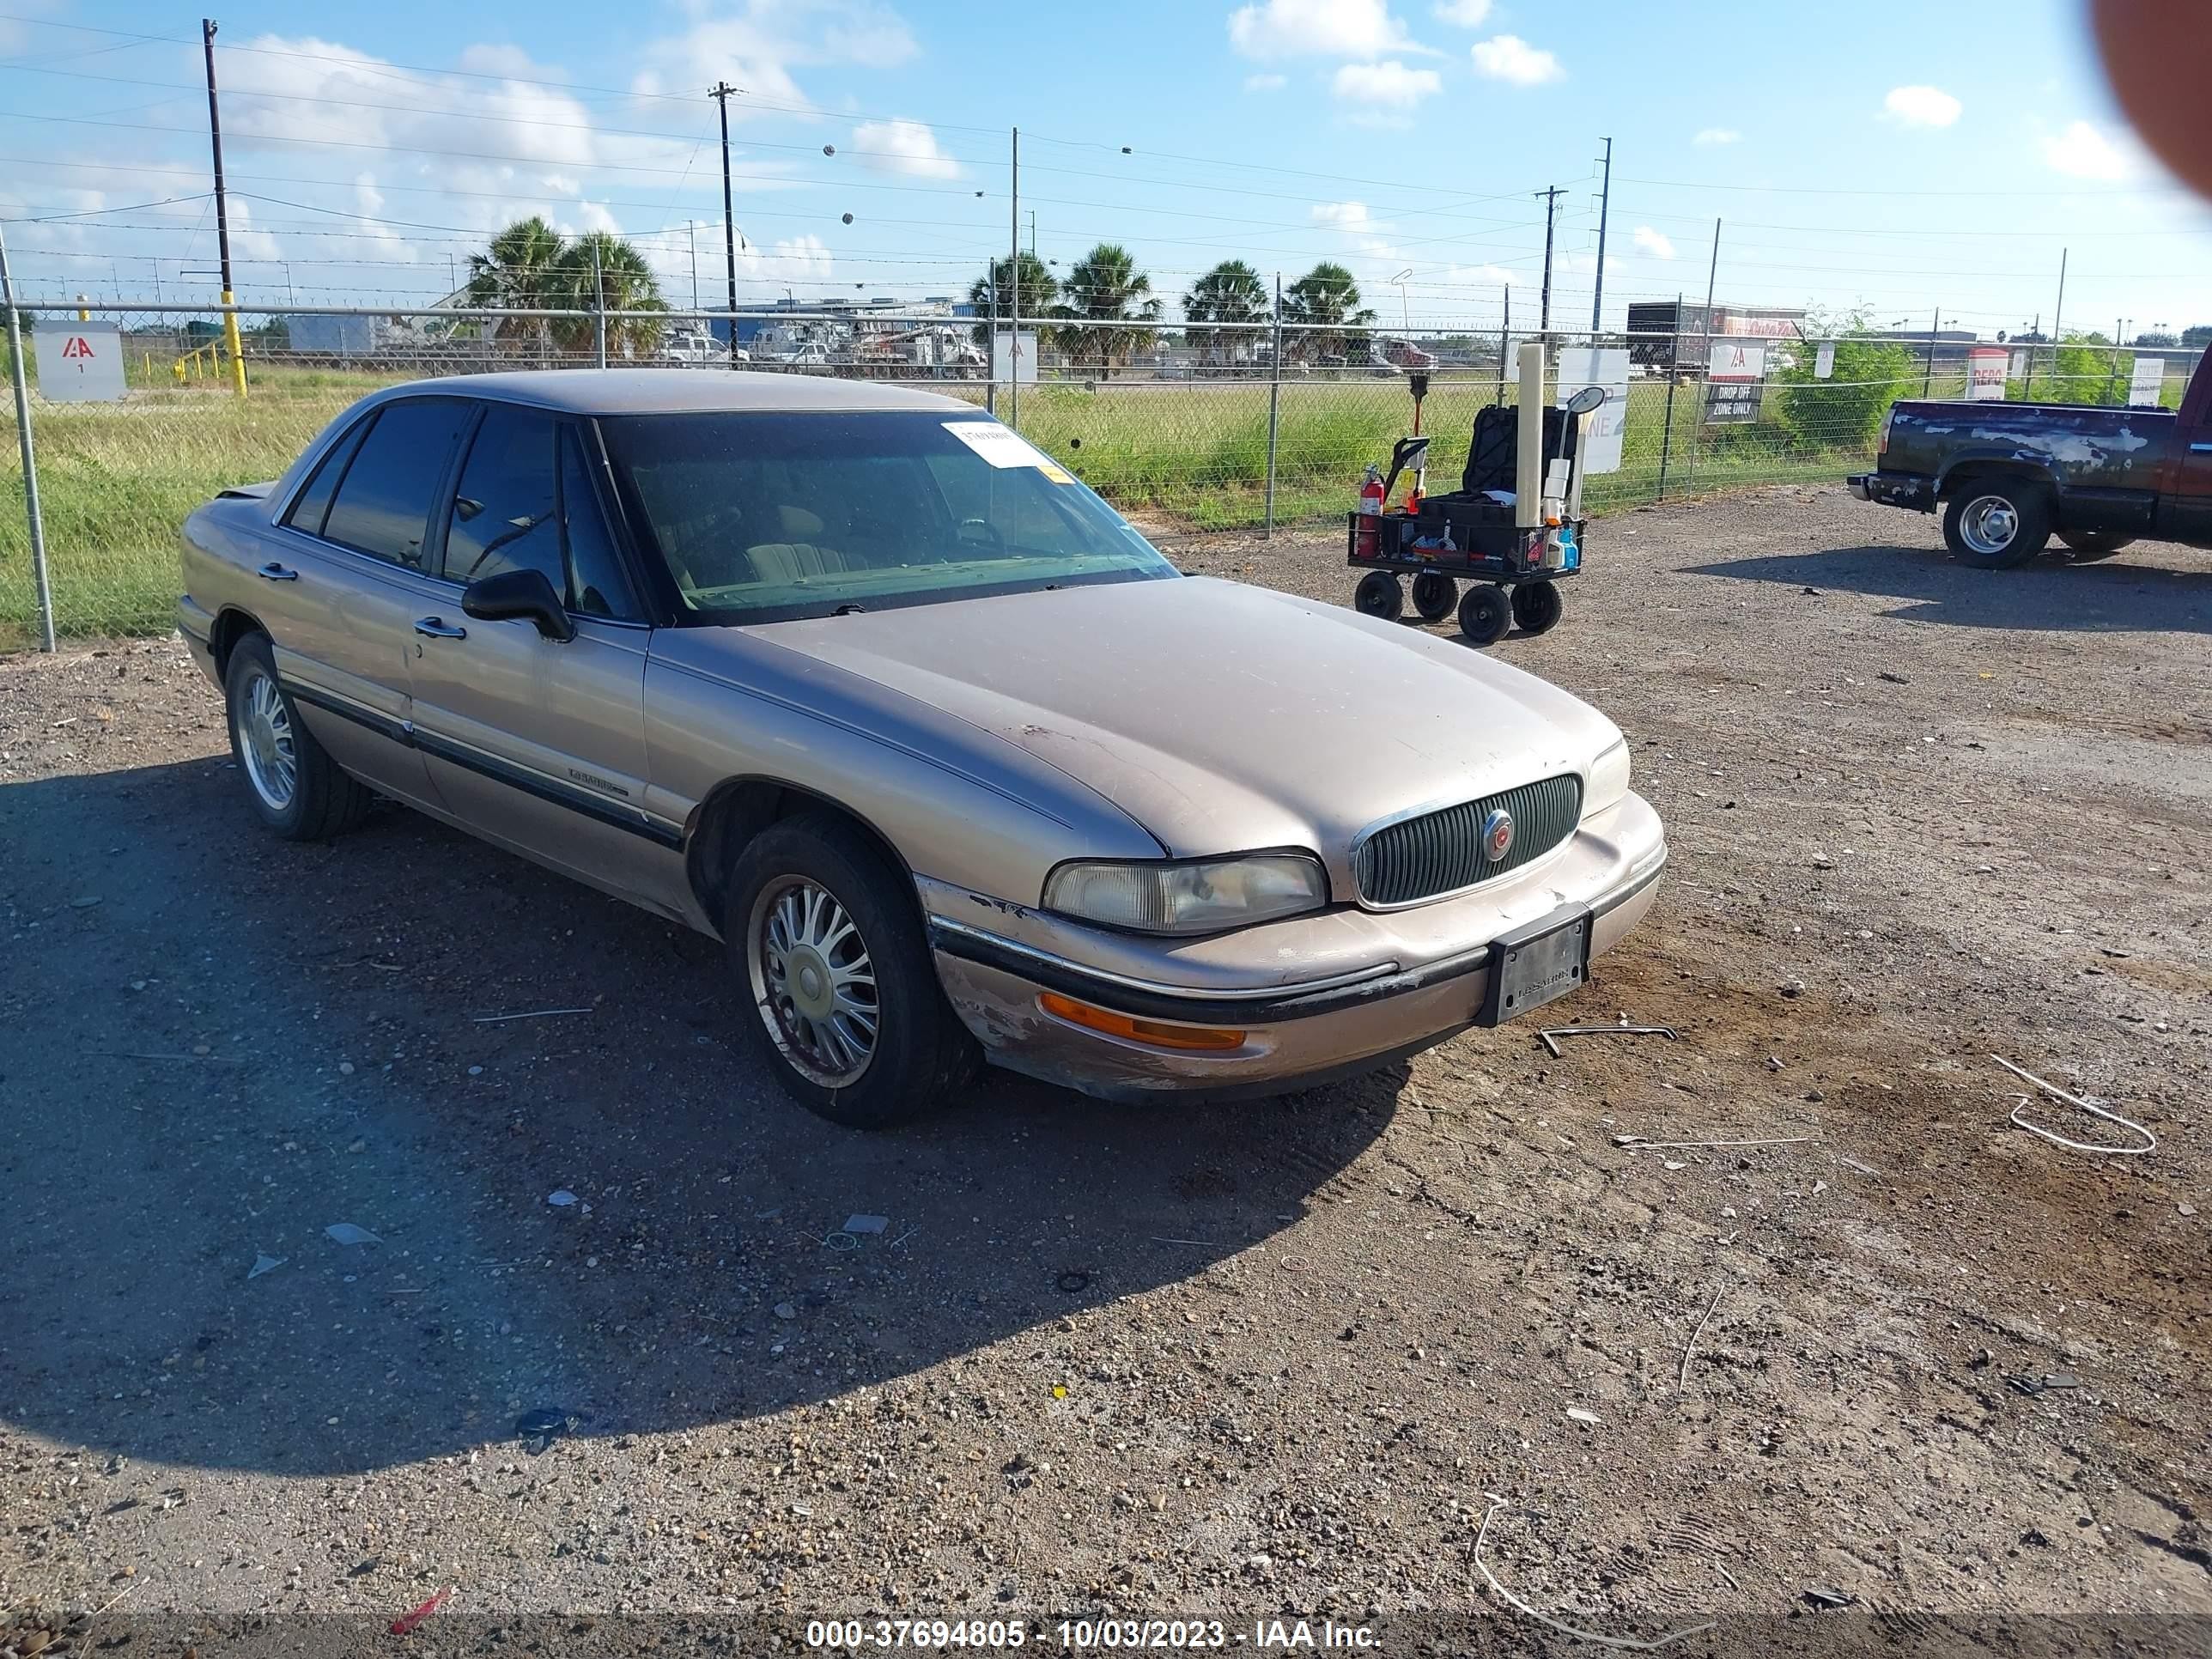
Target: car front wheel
column 295, row 787
column 830, row 955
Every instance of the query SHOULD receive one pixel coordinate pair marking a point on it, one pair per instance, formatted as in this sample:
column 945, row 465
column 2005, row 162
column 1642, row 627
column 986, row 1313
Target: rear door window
column 383, row 503
column 315, row 501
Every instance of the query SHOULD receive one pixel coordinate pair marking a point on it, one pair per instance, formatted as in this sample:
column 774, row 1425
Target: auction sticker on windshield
column 1002, row 446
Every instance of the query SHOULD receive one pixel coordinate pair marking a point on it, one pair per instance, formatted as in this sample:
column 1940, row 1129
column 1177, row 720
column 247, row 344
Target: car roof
column 673, row 391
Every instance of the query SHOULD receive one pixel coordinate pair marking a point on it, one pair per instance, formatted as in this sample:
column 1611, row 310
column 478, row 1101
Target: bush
column 1845, row 410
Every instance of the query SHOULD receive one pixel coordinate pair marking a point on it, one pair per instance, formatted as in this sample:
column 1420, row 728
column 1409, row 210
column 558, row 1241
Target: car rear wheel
column 829, row 954
column 1996, row 527
column 294, row 786
column 1484, row 614
column 2094, row 544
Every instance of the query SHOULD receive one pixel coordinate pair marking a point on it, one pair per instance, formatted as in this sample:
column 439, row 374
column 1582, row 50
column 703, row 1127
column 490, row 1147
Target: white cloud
column 795, row 259
column 902, row 147
column 1508, row 57
column 1718, row 135
column 1481, row 276
column 1265, row 83
column 1316, row 28
column 1384, row 94
column 1648, row 240
column 2086, row 150
column 1346, row 216
column 1467, row 14
column 1921, row 106
column 758, row 43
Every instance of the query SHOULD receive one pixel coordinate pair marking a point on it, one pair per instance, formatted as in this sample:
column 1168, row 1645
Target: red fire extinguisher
column 1371, row 514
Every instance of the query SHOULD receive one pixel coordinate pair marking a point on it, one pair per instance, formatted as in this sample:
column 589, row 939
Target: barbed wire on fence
column 1220, row 426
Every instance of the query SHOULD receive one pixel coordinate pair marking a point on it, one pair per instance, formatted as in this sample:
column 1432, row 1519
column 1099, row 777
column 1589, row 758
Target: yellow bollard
column 237, row 352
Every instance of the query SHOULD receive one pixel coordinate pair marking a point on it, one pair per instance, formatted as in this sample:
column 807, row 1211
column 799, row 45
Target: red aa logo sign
column 78, row 346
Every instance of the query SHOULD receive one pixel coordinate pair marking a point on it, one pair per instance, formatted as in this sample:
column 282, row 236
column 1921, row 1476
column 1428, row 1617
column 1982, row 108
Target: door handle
column 438, row 629
column 274, row 572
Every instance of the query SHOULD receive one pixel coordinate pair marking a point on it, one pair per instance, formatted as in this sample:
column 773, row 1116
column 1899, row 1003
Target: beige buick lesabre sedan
column 954, row 763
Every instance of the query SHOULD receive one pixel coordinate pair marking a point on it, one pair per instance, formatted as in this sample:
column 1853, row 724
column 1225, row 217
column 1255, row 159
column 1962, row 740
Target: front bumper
column 1316, row 997
column 1912, row 490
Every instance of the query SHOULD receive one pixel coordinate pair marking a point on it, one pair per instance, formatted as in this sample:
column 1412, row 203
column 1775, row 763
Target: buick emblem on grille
column 1497, row 834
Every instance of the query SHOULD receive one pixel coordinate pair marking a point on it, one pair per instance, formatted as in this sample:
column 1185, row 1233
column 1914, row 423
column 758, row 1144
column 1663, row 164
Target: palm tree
column 1104, row 308
column 627, row 290
column 1329, row 295
column 1229, row 292
column 516, row 272
column 1039, row 288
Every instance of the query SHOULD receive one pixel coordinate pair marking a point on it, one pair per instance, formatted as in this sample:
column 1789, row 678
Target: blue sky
column 1895, row 160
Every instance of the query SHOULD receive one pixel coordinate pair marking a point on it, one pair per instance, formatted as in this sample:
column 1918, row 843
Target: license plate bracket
column 1537, row 964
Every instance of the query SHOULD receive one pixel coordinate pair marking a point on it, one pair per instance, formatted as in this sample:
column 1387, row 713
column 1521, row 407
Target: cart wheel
column 1484, row 615
column 1536, row 606
column 1434, row 595
column 1378, row 595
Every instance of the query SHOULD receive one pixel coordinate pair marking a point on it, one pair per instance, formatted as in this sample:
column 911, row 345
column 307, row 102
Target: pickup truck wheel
column 294, row 786
column 2086, row 544
column 829, row 954
column 1996, row 527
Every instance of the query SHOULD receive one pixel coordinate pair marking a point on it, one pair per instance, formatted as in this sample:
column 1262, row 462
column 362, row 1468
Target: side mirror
column 1586, row 400
column 519, row 595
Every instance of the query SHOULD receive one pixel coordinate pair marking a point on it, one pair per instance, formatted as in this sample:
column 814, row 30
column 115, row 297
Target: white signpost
column 1606, row 367
column 1986, row 366
column 1735, row 370
column 79, row 362
column 1824, row 361
column 2148, row 383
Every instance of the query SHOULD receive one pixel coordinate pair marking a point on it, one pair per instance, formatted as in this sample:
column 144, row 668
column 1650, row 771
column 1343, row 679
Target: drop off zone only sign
column 79, row 362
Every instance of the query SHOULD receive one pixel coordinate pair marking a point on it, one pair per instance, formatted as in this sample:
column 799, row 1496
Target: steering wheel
column 995, row 536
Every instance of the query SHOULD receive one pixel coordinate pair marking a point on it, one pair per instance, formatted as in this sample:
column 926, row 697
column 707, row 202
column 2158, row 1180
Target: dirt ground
column 1212, row 1361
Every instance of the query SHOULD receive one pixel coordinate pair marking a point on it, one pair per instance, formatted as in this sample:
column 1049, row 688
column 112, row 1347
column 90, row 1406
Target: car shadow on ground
column 2124, row 593
column 228, row 1045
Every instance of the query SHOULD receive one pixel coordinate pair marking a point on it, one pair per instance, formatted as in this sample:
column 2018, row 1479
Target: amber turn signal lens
column 1205, row 1039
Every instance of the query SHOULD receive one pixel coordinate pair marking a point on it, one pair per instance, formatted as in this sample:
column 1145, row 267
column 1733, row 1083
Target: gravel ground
column 1217, row 1361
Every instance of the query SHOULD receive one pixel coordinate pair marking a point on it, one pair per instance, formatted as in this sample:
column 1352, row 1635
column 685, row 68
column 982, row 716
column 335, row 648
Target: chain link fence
column 1249, row 430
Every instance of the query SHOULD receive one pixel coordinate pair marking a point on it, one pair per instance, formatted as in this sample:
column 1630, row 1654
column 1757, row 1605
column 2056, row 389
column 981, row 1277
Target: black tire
column 1996, row 524
column 1484, row 614
column 2087, row 544
column 1378, row 595
column 1434, row 595
column 1536, row 606
column 319, row 800
column 920, row 1053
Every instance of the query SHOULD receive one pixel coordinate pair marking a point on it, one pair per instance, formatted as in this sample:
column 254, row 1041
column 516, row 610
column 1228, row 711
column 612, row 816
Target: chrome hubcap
column 264, row 735
column 813, row 981
column 1989, row 524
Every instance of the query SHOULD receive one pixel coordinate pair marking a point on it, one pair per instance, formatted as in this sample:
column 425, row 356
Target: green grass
column 116, row 480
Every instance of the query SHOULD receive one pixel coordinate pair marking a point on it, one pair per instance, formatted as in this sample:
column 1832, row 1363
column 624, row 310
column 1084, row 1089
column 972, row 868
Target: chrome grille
column 1441, row 851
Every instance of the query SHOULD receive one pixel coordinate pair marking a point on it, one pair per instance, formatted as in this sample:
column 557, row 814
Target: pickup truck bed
column 2008, row 476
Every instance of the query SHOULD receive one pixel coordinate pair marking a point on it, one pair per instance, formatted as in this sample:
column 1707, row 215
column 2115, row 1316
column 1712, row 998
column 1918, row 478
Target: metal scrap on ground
column 2150, row 1140
column 1547, row 1036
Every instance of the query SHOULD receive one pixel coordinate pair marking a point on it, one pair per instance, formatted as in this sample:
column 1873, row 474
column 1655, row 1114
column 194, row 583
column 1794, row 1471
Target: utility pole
column 1014, row 299
column 1604, row 210
column 1032, row 233
column 222, row 214
column 691, row 234
column 35, row 523
column 1927, row 373
column 1544, row 310
column 721, row 94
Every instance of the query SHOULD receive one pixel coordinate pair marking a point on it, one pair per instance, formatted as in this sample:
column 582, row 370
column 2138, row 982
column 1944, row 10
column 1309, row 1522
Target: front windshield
column 763, row 517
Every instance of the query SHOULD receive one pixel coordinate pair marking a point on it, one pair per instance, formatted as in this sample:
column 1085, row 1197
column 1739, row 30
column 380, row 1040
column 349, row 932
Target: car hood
column 1224, row 718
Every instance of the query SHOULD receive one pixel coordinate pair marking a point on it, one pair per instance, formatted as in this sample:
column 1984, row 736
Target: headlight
column 1201, row 897
column 1608, row 780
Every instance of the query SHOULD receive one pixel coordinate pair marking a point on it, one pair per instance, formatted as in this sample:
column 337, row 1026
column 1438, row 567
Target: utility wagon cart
column 1513, row 529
